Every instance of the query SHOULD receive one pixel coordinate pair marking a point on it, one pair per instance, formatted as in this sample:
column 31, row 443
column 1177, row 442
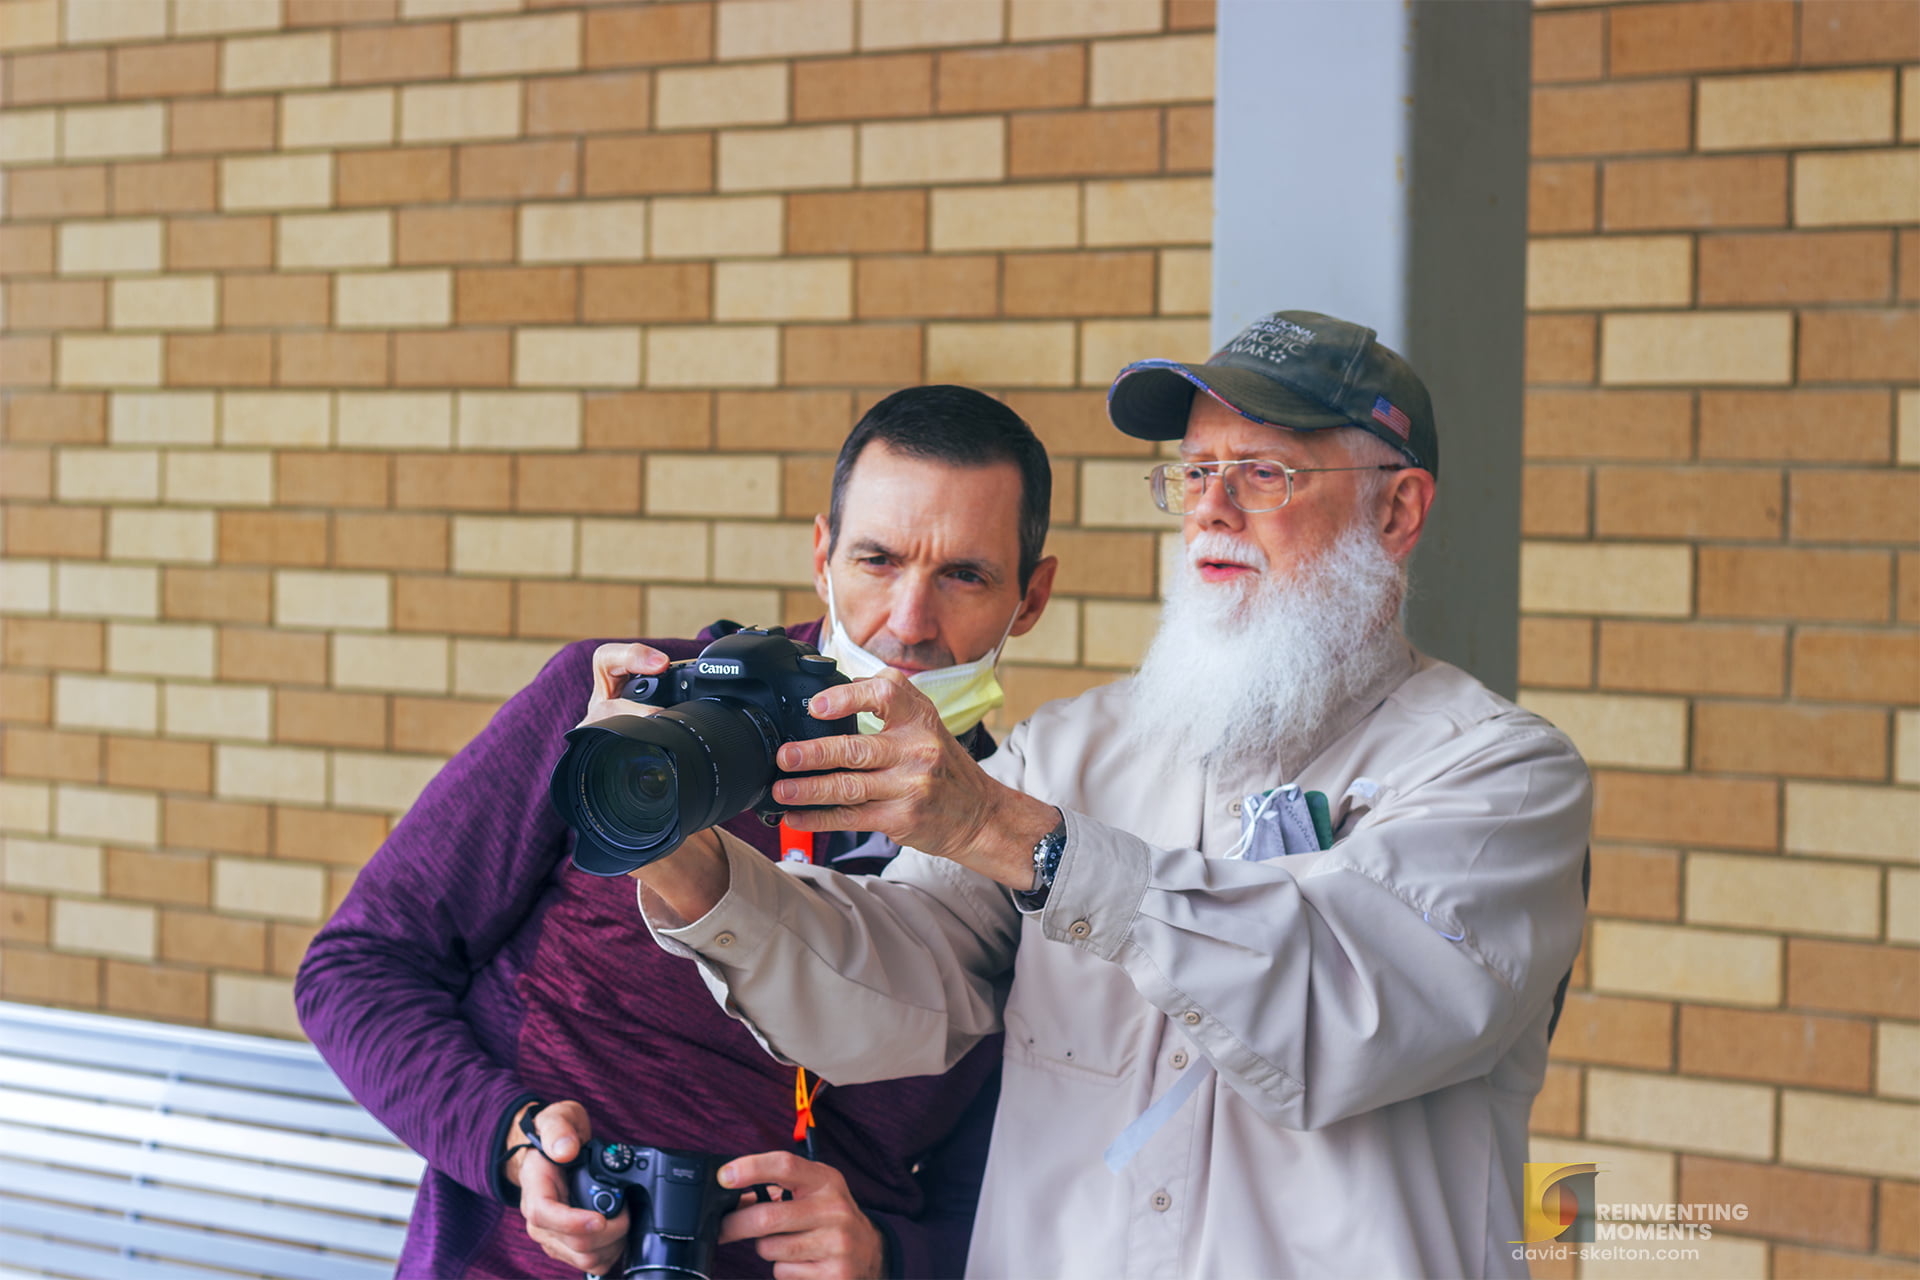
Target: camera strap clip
column 795, row 846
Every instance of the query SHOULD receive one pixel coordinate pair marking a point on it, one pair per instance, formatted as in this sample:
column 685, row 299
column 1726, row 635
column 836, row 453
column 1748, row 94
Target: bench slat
column 285, row 1262
column 259, row 1064
column 95, row 1264
column 341, row 1119
column 141, row 1125
column 214, row 1172
column 302, row 1226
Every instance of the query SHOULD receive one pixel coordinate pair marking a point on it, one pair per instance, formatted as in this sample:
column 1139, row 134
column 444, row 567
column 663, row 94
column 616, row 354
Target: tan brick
column 1556, row 652
column 96, row 133
column 517, row 420
column 1635, row 883
column 1842, row 266
column 1615, row 1032
column 1560, row 348
column 217, row 711
column 519, row 170
column 685, row 610
column 410, row 175
column 1175, row 68
column 1039, row 216
column 1784, row 895
column 908, row 153
column 943, row 286
column 744, row 356
column 1004, row 353
column 1804, row 741
column 1609, row 271
column 221, row 124
column 440, row 726
column 164, row 70
column 1687, row 502
column 55, row 531
column 786, row 159
column 216, row 595
column 1860, row 346
column 1898, row 1056
column 1553, row 502
column 779, row 28
column 78, row 75
column 577, row 483
column 865, row 222
column 332, row 359
column 174, row 878
column 649, row 164
column 462, row 606
column 860, row 355
column 706, row 97
column 1787, row 583
column 1856, row 187
column 1561, row 197
column 506, row 295
column 1795, row 110
column 321, row 835
column 1083, row 143
column 104, row 928
column 210, row 17
column 1857, row 666
column 295, row 774
column 197, row 938
column 1012, row 78
column 863, row 87
column 1608, row 424
column 466, row 358
column 331, row 240
column 649, row 549
column 45, row 977
column 1569, row 46
column 1618, row 578
column 693, row 485
column 605, row 231
column 1697, row 347
column 37, row 753
column 330, row 719
column 476, row 482
column 1716, row 812
column 1687, row 1115
column 1648, row 733
column 1717, row 35
column 54, row 642
column 1862, row 31
column 276, row 62
column 207, row 824
column 1877, row 821
column 339, row 13
column 1856, row 1135
column 454, row 112
column 65, row 192
column 1853, row 977
column 570, row 609
column 650, row 35
column 412, row 664
column 1052, row 19
column 373, row 55
column 172, row 186
column 1856, row 506
column 263, row 537
column 152, row 991
column 1611, row 119
column 458, row 236
column 1150, row 211
column 802, row 289
column 93, row 813
column 166, row 650
column 517, row 546
column 516, row 46
column 200, row 244
column 1702, row 192
column 244, row 1003
column 896, row 24
column 49, row 866
column 1782, row 1203
column 1771, row 425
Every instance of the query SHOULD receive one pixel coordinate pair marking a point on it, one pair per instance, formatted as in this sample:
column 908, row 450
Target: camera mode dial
column 617, row 1157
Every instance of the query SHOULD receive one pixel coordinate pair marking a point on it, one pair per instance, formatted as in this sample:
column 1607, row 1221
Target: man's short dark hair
column 960, row 427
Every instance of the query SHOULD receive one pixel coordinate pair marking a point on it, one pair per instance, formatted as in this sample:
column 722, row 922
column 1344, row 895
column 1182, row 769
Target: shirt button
column 1191, row 1017
column 1234, row 808
column 1179, row 1059
column 723, row 939
column 1162, row 1202
column 1079, row 928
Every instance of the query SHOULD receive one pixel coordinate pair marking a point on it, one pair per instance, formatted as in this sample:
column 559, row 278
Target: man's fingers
column 889, row 695
column 613, row 663
column 783, row 1168
column 563, row 1127
column 839, row 819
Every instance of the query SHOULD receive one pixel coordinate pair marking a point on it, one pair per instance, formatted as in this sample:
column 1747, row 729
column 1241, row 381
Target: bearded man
column 1276, row 930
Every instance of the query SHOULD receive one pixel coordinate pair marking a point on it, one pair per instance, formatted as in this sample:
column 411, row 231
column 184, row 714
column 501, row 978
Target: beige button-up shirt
column 1375, row 1014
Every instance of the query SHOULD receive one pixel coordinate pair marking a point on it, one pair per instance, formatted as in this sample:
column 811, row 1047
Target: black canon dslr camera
column 676, row 1198
column 635, row 787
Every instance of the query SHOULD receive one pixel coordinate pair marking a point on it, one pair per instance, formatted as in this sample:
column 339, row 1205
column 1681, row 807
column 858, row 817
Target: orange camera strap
column 798, row 846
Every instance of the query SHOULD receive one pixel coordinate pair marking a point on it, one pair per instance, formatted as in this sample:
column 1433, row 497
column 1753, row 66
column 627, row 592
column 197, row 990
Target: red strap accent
column 803, row 1103
column 795, row 846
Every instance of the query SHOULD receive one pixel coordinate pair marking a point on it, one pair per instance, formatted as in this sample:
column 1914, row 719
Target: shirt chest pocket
column 1066, row 1015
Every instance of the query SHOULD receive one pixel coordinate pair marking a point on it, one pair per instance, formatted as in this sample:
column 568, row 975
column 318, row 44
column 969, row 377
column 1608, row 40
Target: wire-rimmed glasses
column 1252, row 484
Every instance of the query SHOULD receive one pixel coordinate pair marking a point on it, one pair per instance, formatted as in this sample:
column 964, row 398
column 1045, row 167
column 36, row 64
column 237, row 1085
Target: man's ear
column 1403, row 511
column 1039, row 591
column 822, row 547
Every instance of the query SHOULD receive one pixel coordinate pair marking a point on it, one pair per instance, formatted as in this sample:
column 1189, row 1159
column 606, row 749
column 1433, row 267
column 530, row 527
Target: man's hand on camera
column 613, row 666
column 820, row 1234
column 580, row 1238
column 913, row 782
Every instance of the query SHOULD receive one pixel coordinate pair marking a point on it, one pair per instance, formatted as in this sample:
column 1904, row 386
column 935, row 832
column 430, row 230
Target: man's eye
column 968, row 575
column 1264, row 473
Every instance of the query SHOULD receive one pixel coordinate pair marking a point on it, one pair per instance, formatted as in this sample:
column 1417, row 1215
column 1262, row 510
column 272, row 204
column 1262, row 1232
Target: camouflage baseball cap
column 1295, row 369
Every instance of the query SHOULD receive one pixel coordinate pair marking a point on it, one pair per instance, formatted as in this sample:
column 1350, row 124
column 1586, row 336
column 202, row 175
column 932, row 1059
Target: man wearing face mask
column 473, row 976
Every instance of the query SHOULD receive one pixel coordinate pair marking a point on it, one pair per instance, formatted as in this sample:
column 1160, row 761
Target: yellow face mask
column 963, row 694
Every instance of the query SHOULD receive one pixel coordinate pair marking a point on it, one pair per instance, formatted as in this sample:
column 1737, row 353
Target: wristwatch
column 1046, row 858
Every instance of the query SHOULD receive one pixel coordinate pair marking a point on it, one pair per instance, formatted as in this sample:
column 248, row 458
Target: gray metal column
column 1370, row 161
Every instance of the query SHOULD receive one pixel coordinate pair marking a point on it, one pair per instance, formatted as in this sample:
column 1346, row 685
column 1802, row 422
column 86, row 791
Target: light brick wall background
column 1720, row 586
column 357, row 353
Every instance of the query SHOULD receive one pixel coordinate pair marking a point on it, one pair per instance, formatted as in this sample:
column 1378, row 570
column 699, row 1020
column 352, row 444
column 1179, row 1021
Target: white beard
column 1254, row 668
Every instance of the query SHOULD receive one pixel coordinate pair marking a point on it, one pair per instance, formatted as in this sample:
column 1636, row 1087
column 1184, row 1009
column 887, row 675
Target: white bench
column 138, row 1149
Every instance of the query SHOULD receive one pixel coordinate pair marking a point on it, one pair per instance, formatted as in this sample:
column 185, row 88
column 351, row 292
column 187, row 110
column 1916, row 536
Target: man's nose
column 1215, row 510
column 910, row 616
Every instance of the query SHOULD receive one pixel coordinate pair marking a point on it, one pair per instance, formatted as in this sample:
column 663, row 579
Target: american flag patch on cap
column 1395, row 420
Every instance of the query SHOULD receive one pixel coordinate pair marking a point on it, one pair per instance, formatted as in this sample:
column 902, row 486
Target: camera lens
column 635, row 787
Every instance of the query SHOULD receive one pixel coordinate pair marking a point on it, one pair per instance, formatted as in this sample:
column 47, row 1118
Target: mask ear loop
column 1240, row 846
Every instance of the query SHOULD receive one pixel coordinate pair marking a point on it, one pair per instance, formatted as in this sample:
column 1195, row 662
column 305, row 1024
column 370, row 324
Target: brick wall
column 1720, row 583
column 357, row 353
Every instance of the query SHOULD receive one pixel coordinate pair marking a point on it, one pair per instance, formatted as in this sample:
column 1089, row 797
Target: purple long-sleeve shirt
column 472, row 967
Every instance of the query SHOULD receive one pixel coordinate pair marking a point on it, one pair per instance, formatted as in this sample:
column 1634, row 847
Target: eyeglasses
column 1252, row 484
